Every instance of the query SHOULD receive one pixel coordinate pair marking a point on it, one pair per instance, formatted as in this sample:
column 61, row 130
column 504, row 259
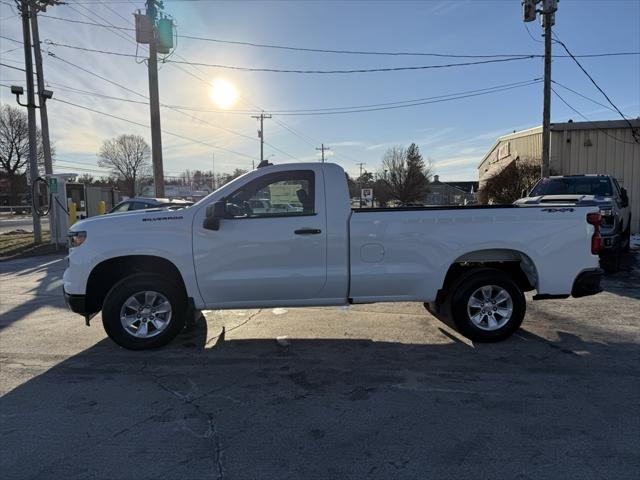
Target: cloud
column 444, row 7
column 456, row 161
column 347, row 143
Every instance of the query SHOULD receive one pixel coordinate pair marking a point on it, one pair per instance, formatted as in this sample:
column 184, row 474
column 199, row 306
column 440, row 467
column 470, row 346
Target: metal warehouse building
column 604, row 147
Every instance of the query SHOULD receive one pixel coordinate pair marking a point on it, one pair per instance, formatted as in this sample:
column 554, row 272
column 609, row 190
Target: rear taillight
column 595, row 219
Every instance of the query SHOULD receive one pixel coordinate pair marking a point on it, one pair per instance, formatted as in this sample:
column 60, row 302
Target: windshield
column 598, row 186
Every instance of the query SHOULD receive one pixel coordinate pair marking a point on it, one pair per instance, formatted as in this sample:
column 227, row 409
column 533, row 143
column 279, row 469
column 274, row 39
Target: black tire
column 467, row 286
column 130, row 286
column 610, row 261
column 626, row 238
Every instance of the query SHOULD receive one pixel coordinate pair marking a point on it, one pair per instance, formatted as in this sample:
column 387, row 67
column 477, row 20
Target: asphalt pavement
column 380, row 391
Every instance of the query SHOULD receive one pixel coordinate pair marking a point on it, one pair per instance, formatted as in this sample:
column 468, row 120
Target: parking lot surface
column 380, row 391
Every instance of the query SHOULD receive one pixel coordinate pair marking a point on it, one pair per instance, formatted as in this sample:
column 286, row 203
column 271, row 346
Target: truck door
column 265, row 255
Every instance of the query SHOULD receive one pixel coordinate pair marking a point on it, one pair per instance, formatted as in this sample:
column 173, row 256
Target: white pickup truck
column 147, row 271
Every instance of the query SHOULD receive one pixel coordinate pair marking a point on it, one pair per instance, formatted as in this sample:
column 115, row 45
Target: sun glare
column 223, row 93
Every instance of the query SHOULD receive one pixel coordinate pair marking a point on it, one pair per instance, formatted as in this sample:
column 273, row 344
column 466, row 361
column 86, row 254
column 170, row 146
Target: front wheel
column 487, row 306
column 144, row 311
column 626, row 238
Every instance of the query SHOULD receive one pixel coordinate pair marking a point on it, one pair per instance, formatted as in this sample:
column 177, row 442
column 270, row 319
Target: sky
column 454, row 135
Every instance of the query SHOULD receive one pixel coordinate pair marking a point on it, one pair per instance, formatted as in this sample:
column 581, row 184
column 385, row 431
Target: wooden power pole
column 31, row 118
column 322, row 149
column 154, row 103
column 261, row 117
column 548, row 18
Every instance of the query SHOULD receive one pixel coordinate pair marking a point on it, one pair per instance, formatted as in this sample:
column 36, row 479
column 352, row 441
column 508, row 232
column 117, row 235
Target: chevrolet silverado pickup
column 147, row 271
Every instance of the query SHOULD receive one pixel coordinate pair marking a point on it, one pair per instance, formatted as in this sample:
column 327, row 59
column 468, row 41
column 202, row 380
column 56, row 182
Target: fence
column 15, row 209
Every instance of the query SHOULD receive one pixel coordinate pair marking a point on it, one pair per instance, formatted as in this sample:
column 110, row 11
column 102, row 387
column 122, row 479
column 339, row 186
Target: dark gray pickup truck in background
column 585, row 190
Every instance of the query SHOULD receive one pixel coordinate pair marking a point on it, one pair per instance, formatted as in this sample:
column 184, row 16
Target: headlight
column 76, row 238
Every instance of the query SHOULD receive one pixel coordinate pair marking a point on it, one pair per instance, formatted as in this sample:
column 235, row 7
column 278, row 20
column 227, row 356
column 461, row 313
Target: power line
column 530, row 34
column 307, row 139
column 112, row 26
column 591, row 122
column 147, row 126
column 10, row 66
column 176, row 109
column 608, row 107
column 349, row 52
column 634, row 132
column 300, row 71
column 426, row 102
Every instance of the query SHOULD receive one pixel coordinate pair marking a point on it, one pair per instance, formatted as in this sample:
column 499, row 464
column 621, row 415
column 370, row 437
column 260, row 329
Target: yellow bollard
column 102, row 207
column 73, row 215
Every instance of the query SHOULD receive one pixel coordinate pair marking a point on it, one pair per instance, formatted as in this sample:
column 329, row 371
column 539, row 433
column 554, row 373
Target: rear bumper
column 587, row 283
column 76, row 303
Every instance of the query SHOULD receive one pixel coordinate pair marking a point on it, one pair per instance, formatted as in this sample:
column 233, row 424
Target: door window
column 281, row 194
column 123, row 207
column 138, row 206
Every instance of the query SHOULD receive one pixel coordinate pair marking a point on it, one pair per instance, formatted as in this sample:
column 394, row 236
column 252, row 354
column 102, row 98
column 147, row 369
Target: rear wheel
column 487, row 306
column 144, row 311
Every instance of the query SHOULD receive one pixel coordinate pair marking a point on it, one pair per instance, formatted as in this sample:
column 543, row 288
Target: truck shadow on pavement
column 44, row 286
column 328, row 408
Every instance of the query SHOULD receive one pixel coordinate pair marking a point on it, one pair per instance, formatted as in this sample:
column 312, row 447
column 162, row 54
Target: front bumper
column 609, row 242
column 76, row 303
column 587, row 283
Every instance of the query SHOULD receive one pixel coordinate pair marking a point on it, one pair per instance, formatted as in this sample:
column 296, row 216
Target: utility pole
column 43, row 95
column 213, row 171
column 261, row 117
column 361, row 164
column 154, row 102
column 322, row 149
column 31, row 118
column 548, row 19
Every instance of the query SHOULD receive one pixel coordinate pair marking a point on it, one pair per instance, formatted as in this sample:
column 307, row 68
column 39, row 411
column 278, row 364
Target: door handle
column 307, row 231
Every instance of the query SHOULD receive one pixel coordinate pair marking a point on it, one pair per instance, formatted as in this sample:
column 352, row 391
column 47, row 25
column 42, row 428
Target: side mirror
column 624, row 197
column 523, row 193
column 214, row 213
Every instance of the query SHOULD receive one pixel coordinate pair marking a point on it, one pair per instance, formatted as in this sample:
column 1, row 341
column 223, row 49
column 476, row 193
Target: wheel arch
column 108, row 272
column 515, row 263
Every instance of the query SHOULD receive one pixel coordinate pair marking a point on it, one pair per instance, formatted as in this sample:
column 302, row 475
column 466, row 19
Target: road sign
column 367, row 197
column 53, row 185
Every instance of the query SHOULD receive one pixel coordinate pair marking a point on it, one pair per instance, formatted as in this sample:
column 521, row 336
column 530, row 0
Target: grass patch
column 16, row 245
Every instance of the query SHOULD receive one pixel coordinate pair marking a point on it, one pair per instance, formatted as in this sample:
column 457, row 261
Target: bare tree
column 127, row 156
column 86, row 178
column 508, row 185
column 14, row 147
column 406, row 174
